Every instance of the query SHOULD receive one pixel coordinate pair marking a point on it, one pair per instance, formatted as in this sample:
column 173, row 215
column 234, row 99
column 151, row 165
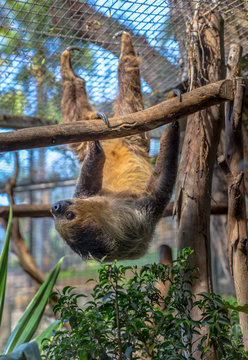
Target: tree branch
column 21, row 122
column 88, row 24
column 131, row 124
column 39, row 211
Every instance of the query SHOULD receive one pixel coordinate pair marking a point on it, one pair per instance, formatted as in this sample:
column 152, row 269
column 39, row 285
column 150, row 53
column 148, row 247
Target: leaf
column 48, row 333
column 151, row 349
column 30, row 320
column 28, row 351
column 128, row 351
column 238, row 308
column 107, row 296
column 4, row 264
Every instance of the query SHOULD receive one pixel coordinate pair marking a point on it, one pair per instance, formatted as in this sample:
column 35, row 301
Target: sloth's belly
column 124, row 170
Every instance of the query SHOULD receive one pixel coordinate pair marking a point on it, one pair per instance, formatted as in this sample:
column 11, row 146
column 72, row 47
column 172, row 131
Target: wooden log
column 138, row 122
column 43, row 210
column 21, row 122
column 233, row 167
column 193, row 192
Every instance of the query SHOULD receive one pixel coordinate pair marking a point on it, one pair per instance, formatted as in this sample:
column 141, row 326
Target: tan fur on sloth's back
column 127, row 167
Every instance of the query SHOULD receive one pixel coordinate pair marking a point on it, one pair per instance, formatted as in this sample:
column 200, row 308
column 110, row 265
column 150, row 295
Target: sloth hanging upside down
column 118, row 199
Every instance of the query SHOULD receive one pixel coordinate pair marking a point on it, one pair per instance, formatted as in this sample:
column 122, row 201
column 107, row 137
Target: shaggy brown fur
column 118, row 200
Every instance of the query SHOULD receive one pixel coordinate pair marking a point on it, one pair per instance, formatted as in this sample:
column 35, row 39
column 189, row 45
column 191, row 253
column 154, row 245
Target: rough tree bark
column 218, row 228
column 193, row 193
column 131, row 124
column 233, row 166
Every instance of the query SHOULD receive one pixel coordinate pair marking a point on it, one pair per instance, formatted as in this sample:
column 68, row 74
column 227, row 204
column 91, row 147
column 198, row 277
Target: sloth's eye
column 69, row 215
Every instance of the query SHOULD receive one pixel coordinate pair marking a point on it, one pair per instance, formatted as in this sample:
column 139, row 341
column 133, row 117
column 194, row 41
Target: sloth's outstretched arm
column 90, row 179
column 160, row 159
column 162, row 181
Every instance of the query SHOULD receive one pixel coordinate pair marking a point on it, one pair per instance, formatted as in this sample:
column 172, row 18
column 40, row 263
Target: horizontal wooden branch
column 39, row 211
column 21, row 122
column 135, row 123
column 27, row 210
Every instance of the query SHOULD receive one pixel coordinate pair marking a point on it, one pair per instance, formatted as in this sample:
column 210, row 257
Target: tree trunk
column 218, row 230
column 234, row 169
column 193, row 194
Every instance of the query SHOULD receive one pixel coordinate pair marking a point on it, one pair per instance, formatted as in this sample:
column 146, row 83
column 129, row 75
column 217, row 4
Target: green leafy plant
column 31, row 318
column 4, row 264
column 123, row 318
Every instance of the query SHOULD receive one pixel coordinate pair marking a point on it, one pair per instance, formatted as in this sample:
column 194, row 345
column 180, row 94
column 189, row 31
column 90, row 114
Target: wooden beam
column 135, row 123
column 233, row 167
column 39, row 211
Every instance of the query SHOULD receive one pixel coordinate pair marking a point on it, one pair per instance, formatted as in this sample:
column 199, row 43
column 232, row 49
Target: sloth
column 118, row 198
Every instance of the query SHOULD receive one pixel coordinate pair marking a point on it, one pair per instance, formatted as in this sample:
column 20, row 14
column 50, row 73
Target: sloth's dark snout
column 60, row 207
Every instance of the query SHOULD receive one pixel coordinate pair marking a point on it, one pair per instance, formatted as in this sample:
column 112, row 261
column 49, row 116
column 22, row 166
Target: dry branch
column 21, row 122
column 39, row 211
column 135, row 123
column 18, row 245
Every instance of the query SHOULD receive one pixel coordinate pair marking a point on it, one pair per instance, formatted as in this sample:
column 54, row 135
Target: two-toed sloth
column 118, row 199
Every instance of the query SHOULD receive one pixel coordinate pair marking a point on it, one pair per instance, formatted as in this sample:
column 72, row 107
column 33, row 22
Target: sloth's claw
column 174, row 124
column 97, row 147
column 119, row 33
column 104, row 117
column 70, row 48
column 177, row 93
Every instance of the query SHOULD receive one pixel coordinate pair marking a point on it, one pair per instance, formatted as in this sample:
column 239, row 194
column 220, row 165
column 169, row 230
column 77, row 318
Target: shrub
column 123, row 318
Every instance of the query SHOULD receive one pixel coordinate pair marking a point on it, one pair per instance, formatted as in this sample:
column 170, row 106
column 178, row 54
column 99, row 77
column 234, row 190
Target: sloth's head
column 101, row 227
column 79, row 223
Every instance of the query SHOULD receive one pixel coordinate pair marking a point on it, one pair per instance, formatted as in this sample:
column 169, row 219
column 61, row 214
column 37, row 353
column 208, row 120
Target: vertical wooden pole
column 234, row 165
column 193, row 193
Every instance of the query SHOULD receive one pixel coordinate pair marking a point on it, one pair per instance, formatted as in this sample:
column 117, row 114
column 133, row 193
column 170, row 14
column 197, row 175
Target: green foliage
column 29, row 351
column 123, row 318
column 47, row 334
column 31, row 318
column 4, row 264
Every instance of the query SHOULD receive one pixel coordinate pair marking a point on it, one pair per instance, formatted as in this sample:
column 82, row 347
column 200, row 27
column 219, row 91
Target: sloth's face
column 78, row 222
column 104, row 227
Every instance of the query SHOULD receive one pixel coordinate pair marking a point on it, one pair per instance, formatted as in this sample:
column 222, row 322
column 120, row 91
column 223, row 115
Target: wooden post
column 233, row 166
column 193, row 193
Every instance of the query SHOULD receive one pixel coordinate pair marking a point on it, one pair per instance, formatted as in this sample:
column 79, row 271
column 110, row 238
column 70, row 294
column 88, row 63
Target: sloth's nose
column 56, row 208
column 59, row 207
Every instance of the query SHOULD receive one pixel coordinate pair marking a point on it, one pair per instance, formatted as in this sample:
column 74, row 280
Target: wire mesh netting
column 35, row 32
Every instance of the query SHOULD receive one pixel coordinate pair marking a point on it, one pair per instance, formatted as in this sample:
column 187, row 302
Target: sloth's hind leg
column 75, row 104
column 129, row 99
